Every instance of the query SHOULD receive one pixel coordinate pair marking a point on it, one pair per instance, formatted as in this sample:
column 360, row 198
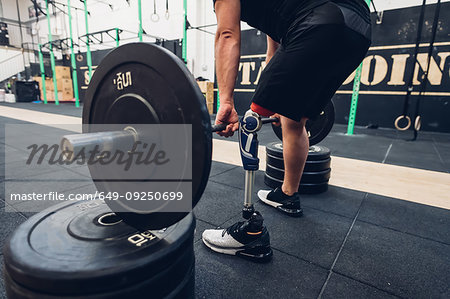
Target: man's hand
column 278, row 123
column 227, row 115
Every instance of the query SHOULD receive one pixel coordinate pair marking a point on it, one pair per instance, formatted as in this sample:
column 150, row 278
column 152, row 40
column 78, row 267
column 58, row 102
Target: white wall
column 394, row 4
column 201, row 44
column 10, row 9
column 11, row 62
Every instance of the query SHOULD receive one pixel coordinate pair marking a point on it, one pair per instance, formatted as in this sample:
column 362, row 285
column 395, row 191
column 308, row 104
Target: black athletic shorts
column 318, row 53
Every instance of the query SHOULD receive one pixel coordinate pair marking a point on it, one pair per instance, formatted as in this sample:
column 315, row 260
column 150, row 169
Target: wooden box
column 207, row 88
column 62, row 72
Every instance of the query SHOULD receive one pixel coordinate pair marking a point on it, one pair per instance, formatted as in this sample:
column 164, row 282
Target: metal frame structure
column 355, row 96
column 185, row 27
column 60, row 44
column 100, row 37
column 52, row 59
column 88, row 52
column 89, row 39
column 72, row 59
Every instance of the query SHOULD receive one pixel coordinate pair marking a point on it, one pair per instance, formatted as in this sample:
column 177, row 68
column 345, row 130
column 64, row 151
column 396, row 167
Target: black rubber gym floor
column 348, row 244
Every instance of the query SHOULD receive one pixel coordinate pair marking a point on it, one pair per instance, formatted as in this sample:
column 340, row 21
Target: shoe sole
column 256, row 254
column 278, row 206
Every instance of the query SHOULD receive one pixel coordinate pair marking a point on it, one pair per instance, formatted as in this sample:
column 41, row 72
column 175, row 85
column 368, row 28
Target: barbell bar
column 73, row 145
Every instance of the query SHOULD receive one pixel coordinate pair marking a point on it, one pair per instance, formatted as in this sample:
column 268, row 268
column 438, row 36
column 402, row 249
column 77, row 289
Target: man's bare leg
column 295, row 153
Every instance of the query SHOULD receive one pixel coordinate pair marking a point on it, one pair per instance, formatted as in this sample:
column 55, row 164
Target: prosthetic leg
column 248, row 239
column 249, row 126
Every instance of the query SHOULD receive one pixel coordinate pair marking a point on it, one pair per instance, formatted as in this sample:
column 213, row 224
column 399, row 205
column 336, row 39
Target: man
column 312, row 47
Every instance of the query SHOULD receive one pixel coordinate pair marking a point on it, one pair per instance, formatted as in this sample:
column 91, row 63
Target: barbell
column 138, row 84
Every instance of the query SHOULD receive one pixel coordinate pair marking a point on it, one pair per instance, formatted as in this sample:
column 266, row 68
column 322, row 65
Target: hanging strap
column 424, row 83
column 410, row 87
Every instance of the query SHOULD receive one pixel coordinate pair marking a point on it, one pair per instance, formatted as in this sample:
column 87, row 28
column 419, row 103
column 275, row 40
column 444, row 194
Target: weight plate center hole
column 109, row 219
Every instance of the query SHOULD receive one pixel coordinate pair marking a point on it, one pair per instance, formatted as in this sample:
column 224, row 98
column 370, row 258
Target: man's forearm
column 227, row 54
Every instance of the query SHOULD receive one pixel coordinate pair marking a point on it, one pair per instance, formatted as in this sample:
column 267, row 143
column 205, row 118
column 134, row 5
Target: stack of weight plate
column 315, row 175
column 82, row 250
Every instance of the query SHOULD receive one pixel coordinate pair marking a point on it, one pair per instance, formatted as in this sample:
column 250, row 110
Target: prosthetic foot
column 247, row 239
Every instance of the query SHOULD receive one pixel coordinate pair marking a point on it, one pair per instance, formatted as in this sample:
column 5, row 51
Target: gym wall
column 385, row 71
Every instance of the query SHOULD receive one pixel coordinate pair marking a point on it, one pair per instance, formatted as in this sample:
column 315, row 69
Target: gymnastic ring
column 418, row 123
column 399, row 119
column 154, row 17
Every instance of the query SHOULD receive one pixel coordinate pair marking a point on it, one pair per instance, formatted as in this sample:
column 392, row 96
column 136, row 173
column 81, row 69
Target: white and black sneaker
column 248, row 239
column 289, row 205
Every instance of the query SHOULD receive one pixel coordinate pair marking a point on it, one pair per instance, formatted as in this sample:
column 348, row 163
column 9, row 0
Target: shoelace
column 232, row 228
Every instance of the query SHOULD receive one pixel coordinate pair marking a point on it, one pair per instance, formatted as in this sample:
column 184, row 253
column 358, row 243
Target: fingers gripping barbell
column 221, row 127
column 141, row 83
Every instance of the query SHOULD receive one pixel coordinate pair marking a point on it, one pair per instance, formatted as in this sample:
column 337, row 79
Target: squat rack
column 68, row 42
column 88, row 39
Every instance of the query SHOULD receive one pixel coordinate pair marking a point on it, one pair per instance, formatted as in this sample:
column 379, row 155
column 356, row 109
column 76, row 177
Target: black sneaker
column 248, row 239
column 287, row 204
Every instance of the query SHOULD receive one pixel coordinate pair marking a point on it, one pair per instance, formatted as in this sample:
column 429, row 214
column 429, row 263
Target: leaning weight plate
column 278, row 132
column 158, row 89
column 317, row 129
column 78, row 249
